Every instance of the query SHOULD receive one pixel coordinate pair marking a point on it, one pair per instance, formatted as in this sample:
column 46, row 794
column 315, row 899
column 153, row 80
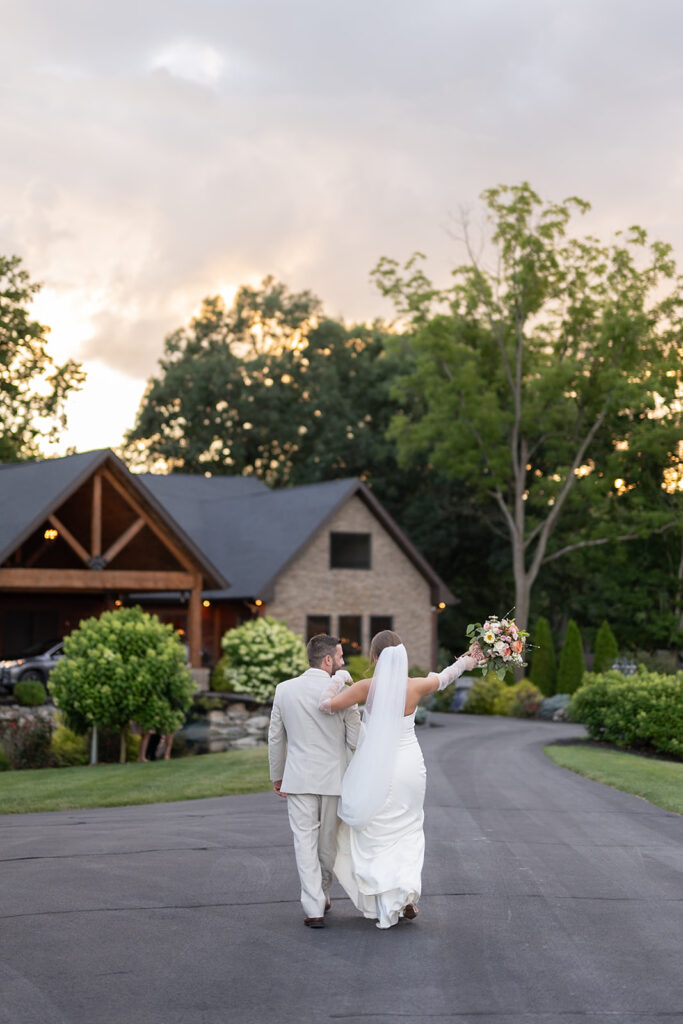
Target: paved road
column 546, row 898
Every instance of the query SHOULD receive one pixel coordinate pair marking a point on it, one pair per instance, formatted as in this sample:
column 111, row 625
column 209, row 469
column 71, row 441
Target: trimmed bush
column 68, row 748
column 572, row 664
column 543, row 672
column 125, row 666
column 606, row 648
column 528, row 700
column 30, row 693
column 4, row 761
column 640, row 711
column 484, row 692
column 259, row 655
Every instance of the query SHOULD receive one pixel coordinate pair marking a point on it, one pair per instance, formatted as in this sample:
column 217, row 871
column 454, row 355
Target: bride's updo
column 387, row 638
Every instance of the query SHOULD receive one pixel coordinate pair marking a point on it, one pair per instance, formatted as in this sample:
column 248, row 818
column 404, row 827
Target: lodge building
column 82, row 534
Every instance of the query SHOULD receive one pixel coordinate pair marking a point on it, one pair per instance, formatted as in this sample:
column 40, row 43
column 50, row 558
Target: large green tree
column 33, row 389
column 546, row 375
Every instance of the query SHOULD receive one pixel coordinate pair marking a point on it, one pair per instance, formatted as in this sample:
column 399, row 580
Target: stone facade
column 393, row 586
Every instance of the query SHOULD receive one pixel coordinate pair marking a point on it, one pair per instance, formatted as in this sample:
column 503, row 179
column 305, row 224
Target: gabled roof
column 30, row 491
column 252, row 533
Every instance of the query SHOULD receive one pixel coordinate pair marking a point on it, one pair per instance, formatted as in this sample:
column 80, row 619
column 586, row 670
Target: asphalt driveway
column 546, row 898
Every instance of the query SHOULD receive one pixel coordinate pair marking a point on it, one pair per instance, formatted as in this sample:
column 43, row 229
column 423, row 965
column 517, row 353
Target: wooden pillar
column 194, row 624
column 434, row 652
column 96, row 519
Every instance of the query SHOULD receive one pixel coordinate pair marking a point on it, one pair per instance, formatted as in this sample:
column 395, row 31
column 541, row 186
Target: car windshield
column 42, row 647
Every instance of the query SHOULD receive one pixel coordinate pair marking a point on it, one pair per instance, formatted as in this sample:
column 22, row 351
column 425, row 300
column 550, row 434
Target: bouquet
column 500, row 644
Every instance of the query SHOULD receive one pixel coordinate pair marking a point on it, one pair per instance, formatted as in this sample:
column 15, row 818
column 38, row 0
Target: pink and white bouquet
column 499, row 643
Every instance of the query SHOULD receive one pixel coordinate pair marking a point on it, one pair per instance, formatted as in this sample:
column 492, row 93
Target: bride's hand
column 475, row 652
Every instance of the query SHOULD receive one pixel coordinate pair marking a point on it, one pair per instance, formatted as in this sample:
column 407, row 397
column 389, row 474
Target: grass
column 660, row 782
column 114, row 785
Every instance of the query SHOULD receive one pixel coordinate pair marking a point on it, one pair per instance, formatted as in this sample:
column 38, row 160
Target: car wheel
column 32, row 673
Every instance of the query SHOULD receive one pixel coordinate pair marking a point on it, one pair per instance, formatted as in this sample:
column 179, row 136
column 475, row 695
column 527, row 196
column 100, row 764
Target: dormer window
column 350, row 551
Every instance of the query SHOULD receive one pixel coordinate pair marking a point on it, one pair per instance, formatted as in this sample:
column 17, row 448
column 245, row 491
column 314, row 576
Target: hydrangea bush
column 258, row 656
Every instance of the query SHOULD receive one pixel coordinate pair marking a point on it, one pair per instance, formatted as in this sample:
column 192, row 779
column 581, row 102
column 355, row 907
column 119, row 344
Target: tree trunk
column 122, row 747
column 93, row 745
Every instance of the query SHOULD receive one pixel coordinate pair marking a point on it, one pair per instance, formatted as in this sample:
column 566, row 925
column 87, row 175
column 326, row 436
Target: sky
column 153, row 153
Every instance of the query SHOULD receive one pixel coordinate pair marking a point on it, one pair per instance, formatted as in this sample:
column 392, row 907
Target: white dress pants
column 314, row 823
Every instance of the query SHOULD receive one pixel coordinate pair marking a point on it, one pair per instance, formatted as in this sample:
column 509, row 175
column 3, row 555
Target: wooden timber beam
column 194, row 623
column 90, row 580
column 96, row 517
column 125, row 537
column 74, row 544
column 137, row 507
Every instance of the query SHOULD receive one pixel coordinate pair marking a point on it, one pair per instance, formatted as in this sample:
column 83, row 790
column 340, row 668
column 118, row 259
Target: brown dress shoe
column 410, row 911
column 314, row 922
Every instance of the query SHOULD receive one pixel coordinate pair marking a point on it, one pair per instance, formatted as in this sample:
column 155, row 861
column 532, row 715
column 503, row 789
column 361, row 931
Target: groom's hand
column 276, row 787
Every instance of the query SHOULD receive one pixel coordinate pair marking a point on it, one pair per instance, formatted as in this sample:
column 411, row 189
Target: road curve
column 547, row 899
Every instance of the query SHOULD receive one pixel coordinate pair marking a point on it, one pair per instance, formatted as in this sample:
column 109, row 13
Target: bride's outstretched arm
column 335, row 699
column 440, row 680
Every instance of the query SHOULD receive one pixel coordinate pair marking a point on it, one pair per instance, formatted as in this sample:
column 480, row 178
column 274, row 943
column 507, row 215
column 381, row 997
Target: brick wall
column 393, row 586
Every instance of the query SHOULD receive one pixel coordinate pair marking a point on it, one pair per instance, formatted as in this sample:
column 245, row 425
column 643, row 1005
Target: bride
column 381, row 840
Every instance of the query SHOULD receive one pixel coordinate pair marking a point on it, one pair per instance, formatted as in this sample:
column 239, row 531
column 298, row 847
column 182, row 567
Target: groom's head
column 325, row 652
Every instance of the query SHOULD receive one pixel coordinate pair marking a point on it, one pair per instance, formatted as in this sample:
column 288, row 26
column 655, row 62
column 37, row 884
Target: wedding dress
column 379, row 865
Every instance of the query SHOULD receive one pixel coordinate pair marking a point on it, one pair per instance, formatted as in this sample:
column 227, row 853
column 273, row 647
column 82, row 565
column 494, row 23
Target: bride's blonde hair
column 386, row 638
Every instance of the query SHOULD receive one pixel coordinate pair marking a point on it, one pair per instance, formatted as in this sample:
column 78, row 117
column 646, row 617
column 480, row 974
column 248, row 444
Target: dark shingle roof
column 252, row 533
column 30, row 491
column 252, row 530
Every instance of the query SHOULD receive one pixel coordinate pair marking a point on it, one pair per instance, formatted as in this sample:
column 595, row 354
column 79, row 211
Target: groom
column 308, row 756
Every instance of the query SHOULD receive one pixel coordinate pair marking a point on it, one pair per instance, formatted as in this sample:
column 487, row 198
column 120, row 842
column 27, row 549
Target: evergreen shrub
column 543, row 672
column 572, row 663
column 30, row 693
column 552, row 704
column 640, row 711
column 4, row 760
column 483, row 694
column 606, row 648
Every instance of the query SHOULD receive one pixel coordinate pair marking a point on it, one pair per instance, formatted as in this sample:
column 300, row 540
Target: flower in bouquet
column 499, row 643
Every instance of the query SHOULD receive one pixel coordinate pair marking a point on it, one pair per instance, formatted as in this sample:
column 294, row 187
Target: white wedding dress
column 379, row 864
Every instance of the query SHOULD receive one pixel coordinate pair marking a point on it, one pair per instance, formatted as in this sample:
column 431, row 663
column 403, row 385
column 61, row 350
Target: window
column 349, row 551
column 316, row 624
column 350, row 634
column 380, row 622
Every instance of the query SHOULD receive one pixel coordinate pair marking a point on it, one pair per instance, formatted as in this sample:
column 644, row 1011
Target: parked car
column 35, row 664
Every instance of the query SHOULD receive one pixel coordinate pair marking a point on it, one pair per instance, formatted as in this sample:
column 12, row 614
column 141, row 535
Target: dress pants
column 314, row 823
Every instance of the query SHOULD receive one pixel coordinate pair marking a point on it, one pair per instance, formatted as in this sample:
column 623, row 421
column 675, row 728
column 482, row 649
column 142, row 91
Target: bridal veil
column 367, row 780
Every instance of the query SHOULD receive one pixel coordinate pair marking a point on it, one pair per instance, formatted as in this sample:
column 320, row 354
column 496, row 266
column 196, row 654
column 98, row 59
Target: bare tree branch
column 601, row 540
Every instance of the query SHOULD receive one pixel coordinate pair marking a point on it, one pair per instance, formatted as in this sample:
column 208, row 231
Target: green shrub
column 442, row 699
column 125, row 666
column 505, row 700
column 68, row 748
column 360, row 667
column 640, row 711
column 28, row 743
column 543, row 672
column 259, row 655
column 606, row 648
column 207, row 704
column 572, row 664
column 663, row 664
column 528, row 699
column 30, row 693
column 481, row 700
column 4, row 760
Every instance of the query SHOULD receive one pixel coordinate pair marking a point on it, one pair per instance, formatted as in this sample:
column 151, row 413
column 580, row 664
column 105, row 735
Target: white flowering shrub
column 257, row 656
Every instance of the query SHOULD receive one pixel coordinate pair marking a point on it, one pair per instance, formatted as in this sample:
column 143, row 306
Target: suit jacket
column 306, row 748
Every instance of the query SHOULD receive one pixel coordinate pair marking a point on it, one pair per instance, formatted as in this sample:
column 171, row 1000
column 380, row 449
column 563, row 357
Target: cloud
column 156, row 153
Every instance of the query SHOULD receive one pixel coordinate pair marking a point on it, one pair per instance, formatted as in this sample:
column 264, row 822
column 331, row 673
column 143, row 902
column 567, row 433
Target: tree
column 33, row 389
column 542, row 381
column 606, row 648
column 125, row 666
column 572, row 664
column 543, row 670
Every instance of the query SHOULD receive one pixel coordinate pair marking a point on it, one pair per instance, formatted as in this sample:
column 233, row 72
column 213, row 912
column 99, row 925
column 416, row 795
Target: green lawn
column 113, row 785
column 660, row 782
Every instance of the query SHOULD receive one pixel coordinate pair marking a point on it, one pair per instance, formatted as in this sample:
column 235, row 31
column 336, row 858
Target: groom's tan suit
column 308, row 751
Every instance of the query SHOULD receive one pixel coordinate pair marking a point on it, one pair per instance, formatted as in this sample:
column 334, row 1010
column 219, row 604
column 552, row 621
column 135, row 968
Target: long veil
column 368, row 778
